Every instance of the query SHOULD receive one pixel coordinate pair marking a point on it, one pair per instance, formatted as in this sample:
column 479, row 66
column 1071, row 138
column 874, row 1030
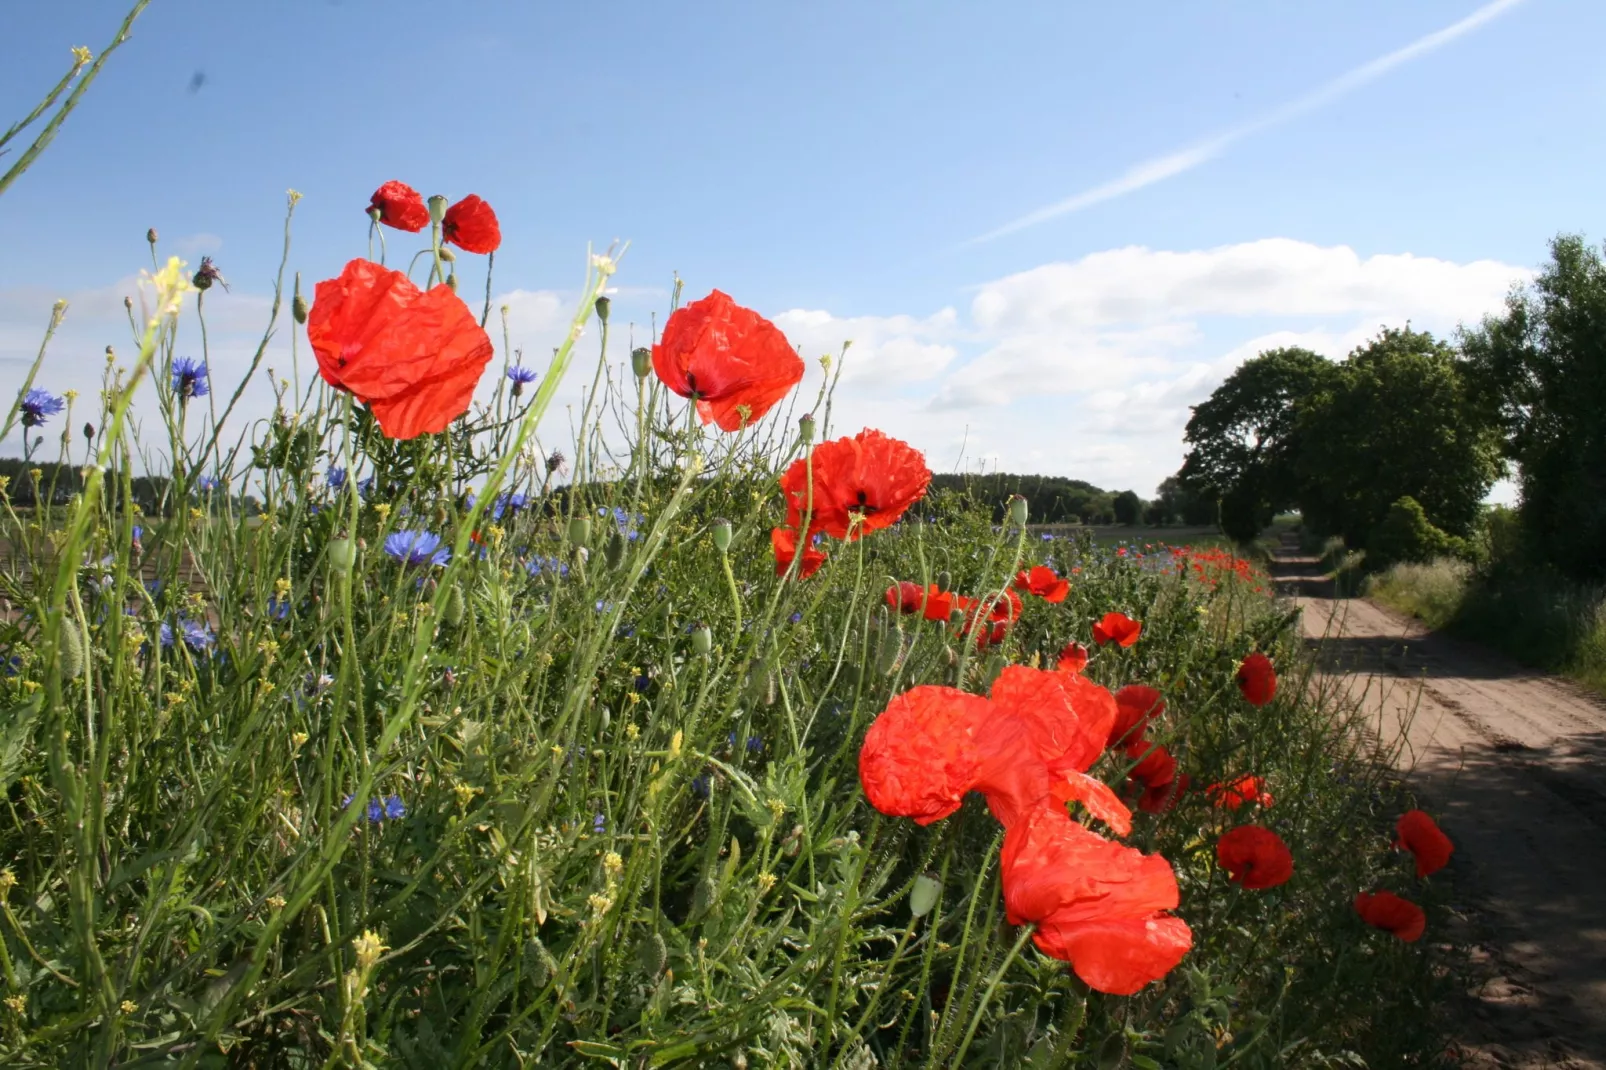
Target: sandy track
column 1513, row 763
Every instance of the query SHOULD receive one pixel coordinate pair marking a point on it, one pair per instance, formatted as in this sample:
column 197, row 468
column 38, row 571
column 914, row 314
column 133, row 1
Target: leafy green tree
column 1128, row 507
column 1542, row 368
column 1406, row 534
column 1397, row 419
column 1243, row 440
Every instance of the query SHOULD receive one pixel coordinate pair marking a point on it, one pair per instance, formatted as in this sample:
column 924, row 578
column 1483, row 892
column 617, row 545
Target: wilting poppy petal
column 1116, row 628
column 1044, row 583
column 413, row 357
column 919, row 757
column 1387, row 911
column 732, row 362
column 784, row 542
column 1421, row 835
column 1257, row 679
column 400, row 206
column 905, row 597
column 1097, row 797
column 471, row 224
column 860, row 484
column 1254, row 857
column 1136, row 705
column 1246, row 789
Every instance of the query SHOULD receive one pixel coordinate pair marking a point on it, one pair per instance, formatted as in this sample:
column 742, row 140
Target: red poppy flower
column 1073, row 658
column 1162, row 798
column 1098, row 905
column 1136, row 706
column 1387, row 911
column 861, row 484
column 471, row 224
column 1421, row 835
column 1156, row 765
column 732, row 362
column 1246, row 789
column 1257, row 679
column 939, row 604
column 906, row 597
column 1116, row 628
column 1044, row 583
column 400, row 206
column 1003, row 609
column 414, row 357
column 784, row 542
column 919, row 758
column 1255, row 857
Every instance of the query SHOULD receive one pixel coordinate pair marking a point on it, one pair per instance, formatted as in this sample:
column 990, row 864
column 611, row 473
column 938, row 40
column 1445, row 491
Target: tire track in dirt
column 1513, row 762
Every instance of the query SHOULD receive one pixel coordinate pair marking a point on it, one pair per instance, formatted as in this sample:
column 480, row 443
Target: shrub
column 1407, row 535
column 1432, row 591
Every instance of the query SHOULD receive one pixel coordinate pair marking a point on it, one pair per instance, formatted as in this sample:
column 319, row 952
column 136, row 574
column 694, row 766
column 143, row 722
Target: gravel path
column 1513, row 763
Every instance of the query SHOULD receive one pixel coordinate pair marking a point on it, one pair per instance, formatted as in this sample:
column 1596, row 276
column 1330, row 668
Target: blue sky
column 830, row 164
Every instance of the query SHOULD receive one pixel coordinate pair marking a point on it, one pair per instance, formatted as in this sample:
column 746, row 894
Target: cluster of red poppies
column 1213, row 565
column 1418, row 833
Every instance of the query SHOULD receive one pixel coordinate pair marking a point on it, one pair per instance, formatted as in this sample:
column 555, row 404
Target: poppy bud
column 722, row 535
column 298, row 304
column 374, row 214
column 641, row 361
column 437, row 208
column 602, row 309
column 89, row 431
column 1017, row 510
column 150, row 235
column 71, row 648
column 456, row 606
column 128, row 306
column 805, row 427
column 614, row 554
column 342, row 554
column 702, row 640
column 654, row 955
column 994, row 666
column 606, row 718
column 923, row 896
column 448, row 256
column 580, row 531
column 945, row 580
column 706, row 895
column 891, row 653
column 956, row 616
column 451, row 283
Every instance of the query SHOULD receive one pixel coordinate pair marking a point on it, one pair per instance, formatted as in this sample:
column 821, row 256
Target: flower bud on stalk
column 641, row 361
column 805, row 427
column 614, row 554
column 448, row 256
column 456, row 606
column 580, row 531
column 602, row 309
column 945, row 580
column 1017, row 511
column 150, row 235
column 342, row 554
column 437, row 208
column 71, row 648
column 451, row 282
column 298, row 304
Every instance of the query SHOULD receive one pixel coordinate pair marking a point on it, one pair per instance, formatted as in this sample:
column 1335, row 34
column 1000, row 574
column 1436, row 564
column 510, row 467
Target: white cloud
column 886, row 351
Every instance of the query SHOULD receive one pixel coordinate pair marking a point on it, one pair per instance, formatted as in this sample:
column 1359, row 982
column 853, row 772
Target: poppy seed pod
column 702, row 640
column 923, row 896
column 580, row 531
column 602, row 309
column 722, row 535
column 437, row 208
column 342, row 554
column 1017, row 510
column 641, row 361
column 374, row 213
column 805, row 427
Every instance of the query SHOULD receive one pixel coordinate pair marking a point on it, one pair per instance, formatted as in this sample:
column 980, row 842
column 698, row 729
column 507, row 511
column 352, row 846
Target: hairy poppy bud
column 437, row 208
column 451, row 283
column 128, row 306
column 580, row 531
column 994, row 666
column 654, row 955
column 722, row 535
column 945, row 580
column 150, row 235
column 602, row 309
column 448, row 256
column 805, row 427
column 89, row 431
column 891, row 653
column 374, row 213
column 702, row 640
column 614, row 554
column 71, row 648
column 641, row 361
column 1017, row 510
column 456, row 606
column 298, row 304
column 706, row 895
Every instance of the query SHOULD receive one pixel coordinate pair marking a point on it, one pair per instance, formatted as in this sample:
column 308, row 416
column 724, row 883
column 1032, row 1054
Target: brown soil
column 1513, row 764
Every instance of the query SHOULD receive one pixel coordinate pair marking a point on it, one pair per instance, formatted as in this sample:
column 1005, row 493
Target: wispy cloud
column 1168, row 166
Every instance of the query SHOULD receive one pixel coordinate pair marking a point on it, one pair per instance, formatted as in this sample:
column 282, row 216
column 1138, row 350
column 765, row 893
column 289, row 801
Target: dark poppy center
column 691, row 384
column 864, row 505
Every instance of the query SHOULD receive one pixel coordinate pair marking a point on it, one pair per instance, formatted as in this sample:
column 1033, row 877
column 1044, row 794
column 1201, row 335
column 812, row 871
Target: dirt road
column 1513, row 763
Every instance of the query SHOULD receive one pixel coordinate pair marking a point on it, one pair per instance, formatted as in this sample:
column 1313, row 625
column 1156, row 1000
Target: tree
column 1541, row 369
column 1397, row 419
column 1128, row 507
column 1243, row 439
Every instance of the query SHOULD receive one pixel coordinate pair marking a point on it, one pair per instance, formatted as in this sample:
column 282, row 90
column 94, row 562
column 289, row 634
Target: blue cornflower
column 138, row 532
column 700, row 786
column 278, row 608
column 599, row 824
column 335, row 478
column 520, row 375
column 643, row 681
column 1048, row 537
column 365, row 486
column 417, row 548
column 603, row 605
column 540, row 566
column 394, row 807
column 11, row 665
column 796, row 618
column 38, row 405
column 189, row 378
column 755, row 744
column 508, row 503
column 376, row 811
column 207, row 483
column 196, row 635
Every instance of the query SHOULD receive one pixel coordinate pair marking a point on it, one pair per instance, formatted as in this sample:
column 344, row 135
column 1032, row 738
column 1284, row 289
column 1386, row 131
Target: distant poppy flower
column 919, row 756
column 1246, row 789
column 1096, row 904
column 400, row 206
column 1116, row 628
column 1421, row 835
column 1137, row 705
column 861, row 484
column 732, row 362
column 1254, row 857
column 1162, row 798
column 1257, row 679
column 784, row 542
column 939, row 604
column 1044, row 583
column 1392, row 914
column 1073, row 658
column 414, row 357
column 1156, row 765
column 905, row 597
column 471, row 224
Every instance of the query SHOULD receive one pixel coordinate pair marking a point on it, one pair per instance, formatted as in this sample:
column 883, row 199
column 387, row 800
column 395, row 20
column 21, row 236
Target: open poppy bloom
column 1257, row 679
column 1116, row 628
column 1254, row 857
column 1073, row 658
column 471, row 224
column 906, row 597
column 1136, row 706
column 1098, row 905
column 412, row 356
column 732, row 362
column 400, row 206
column 1162, row 798
column 1387, row 911
column 1421, row 835
column 1246, row 789
column 861, row 484
column 784, row 542
column 1044, row 583
column 939, row 604
column 919, row 758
